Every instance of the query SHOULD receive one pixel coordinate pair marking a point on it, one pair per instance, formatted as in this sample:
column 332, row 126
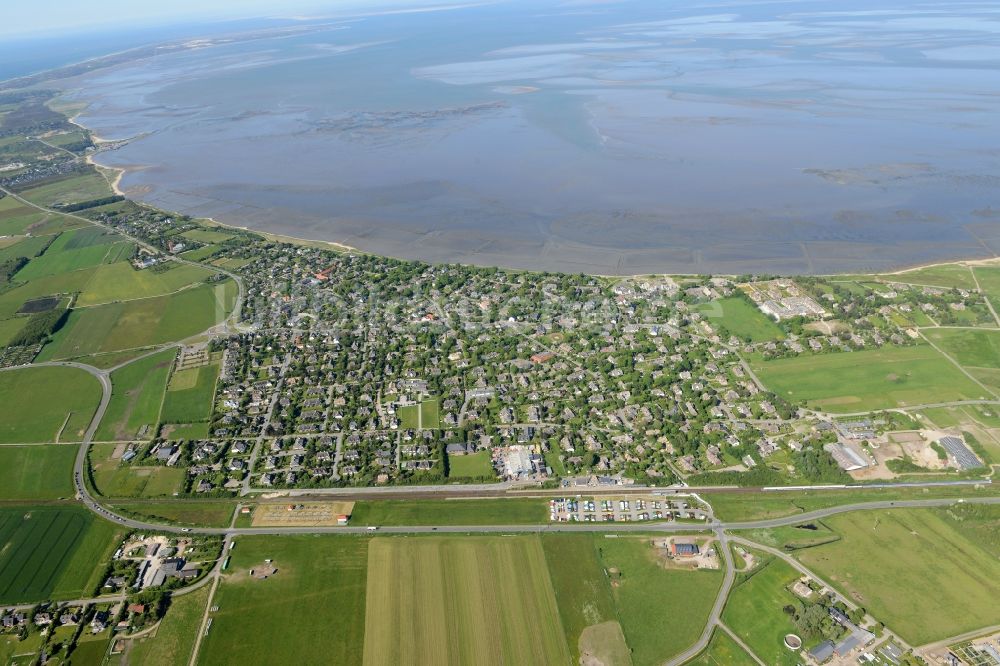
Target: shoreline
column 120, row 172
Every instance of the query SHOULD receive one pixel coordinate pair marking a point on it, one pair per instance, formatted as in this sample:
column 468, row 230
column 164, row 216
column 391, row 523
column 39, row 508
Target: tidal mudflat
column 619, row 138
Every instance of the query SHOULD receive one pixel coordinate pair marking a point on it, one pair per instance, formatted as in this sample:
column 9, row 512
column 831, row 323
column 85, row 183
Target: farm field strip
column 448, row 601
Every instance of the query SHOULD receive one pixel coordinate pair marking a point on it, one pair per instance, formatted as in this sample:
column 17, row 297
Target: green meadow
column 945, row 275
column 37, row 472
column 190, row 395
column 122, row 282
column 867, row 380
column 927, row 574
column 112, row 478
column 40, row 404
column 663, row 611
column 312, row 610
column 141, row 323
column 51, row 552
column 86, row 187
column 76, row 249
column 172, row 642
column 136, row 396
column 741, row 318
column 722, row 650
column 754, row 611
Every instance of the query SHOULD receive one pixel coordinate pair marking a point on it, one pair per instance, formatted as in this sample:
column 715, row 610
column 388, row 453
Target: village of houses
column 363, row 371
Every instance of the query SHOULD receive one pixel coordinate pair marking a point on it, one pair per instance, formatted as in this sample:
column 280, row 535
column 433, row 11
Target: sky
column 21, row 18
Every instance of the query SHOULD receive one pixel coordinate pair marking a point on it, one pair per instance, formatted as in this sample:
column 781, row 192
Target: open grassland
column 75, row 189
column 868, row 380
column 451, row 512
column 114, row 479
column 191, row 395
column 583, row 594
column 17, row 218
column 40, row 404
column 51, row 552
column 663, row 611
column 475, row 465
column 754, row 611
column 312, row 611
column 430, row 413
column 36, row 472
column 913, row 570
column 172, row 642
column 481, row 600
column 206, row 236
column 9, row 328
column 194, row 513
column 945, row 275
column 722, row 651
column 745, row 506
column 122, row 282
column 202, row 253
column 977, row 351
column 90, row 650
column 989, row 282
column 136, row 396
column 742, row 319
column 80, row 248
column 14, row 652
column 141, row 323
column 793, row 537
column 51, row 285
column 23, row 246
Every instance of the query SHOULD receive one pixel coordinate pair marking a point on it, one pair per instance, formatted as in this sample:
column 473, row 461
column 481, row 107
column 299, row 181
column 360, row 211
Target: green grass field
column 41, row 403
column 663, row 611
column 121, row 282
column 311, row 611
column 194, row 513
column 583, row 592
column 867, row 380
column 17, row 218
column 141, row 323
column 90, row 650
column 735, row 507
column 74, row 189
column 173, row 640
column 451, row 512
column 9, row 328
column 469, row 466
column 51, row 285
column 945, row 275
column 196, row 400
column 722, row 651
column 26, row 247
column 914, row 570
column 977, row 351
column 409, row 417
column 113, row 479
column 136, row 396
column 51, row 552
column 207, row 236
column 81, row 248
column 989, row 282
column 430, row 414
column 754, row 612
column 742, row 319
column 481, row 600
column 36, row 472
